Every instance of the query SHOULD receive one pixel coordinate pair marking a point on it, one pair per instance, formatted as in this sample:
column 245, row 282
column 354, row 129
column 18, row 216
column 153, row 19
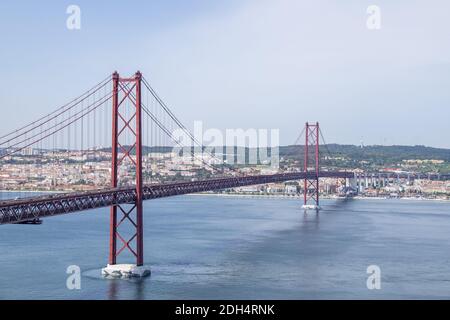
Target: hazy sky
column 243, row 64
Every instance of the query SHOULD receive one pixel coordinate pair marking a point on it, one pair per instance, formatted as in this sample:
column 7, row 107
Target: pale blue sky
column 243, row 64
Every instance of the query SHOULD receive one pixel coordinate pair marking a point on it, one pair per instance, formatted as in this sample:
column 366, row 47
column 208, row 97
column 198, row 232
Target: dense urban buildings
column 62, row 170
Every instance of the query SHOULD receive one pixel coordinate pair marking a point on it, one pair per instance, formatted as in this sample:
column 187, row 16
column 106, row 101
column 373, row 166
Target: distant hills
column 393, row 153
column 375, row 153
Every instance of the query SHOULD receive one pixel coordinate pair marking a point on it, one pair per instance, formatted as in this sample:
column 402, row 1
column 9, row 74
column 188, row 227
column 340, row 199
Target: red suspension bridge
column 140, row 119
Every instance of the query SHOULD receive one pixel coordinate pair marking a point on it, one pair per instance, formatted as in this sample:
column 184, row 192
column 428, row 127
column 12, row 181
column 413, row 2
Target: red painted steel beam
column 137, row 194
column 114, row 146
column 311, row 186
column 139, row 183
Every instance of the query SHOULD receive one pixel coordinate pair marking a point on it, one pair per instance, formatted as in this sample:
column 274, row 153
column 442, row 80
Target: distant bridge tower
column 311, row 167
column 126, row 122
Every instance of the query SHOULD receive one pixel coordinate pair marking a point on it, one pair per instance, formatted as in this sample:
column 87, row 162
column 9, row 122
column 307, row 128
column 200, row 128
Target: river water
column 211, row 247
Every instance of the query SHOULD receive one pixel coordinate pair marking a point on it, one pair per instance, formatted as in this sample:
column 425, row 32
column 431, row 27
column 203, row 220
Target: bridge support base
column 125, row 271
column 311, row 207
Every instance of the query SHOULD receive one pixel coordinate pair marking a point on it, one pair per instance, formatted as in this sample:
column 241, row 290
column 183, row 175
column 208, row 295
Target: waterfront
column 207, row 247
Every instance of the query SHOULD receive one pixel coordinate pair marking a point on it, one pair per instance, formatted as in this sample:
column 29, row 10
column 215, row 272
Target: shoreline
column 237, row 195
column 32, row 191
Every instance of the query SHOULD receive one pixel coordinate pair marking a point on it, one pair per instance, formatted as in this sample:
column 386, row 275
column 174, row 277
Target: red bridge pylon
column 126, row 123
column 311, row 165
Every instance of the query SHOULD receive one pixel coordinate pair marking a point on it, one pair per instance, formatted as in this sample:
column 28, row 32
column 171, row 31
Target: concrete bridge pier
column 352, row 182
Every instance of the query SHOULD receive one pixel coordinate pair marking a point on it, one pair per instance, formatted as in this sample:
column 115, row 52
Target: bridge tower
column 126, row 123
column 311, row 167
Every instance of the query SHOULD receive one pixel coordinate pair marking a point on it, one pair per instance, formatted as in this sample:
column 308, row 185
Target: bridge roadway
column 26, row 209
column 404, row 175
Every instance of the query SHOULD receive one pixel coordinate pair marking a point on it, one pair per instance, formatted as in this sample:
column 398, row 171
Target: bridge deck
column 13, row 211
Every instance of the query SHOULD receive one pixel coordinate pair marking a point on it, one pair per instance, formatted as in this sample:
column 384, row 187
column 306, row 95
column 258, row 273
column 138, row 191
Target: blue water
column 208, row 247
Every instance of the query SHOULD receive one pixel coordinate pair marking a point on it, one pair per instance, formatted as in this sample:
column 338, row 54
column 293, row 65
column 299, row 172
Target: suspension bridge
column 122, row 119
